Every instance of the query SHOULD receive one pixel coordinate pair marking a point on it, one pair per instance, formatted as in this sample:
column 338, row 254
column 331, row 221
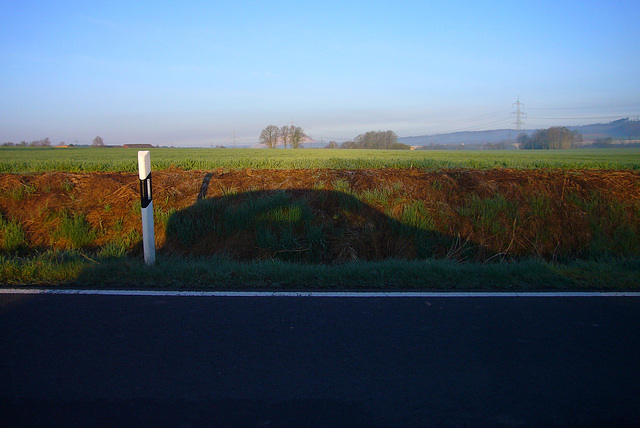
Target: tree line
column 386, row 140
column 556, row 137
column 288, row 135
column 45, row 142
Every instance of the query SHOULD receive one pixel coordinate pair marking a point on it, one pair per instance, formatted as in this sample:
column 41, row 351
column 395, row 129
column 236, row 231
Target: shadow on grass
column 327, row 239
column 303, row 225
column 304, row 238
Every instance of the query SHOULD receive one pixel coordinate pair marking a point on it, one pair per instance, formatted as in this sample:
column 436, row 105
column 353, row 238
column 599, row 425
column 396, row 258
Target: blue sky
column 194, row 73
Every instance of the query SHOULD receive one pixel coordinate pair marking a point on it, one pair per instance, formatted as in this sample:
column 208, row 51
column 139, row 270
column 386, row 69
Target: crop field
column 21, row 160
column 323, row 219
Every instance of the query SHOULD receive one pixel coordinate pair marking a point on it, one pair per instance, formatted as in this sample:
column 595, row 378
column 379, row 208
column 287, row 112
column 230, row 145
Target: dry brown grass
column 500, row 212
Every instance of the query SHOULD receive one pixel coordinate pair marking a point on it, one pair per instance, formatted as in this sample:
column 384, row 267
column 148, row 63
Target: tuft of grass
column 341, row 186
column 136, row 207
column 114, row 249
column 417, row 216
column 398, row 187
column 118, row 225
column 12, row 236
column 379, row 197
column 76, row 230
column 229, row 190
column 68, row 186
column 120, row 246
column 540, row 206
column 613, row 230
column 163, row 215
column 30, row 189
column 20, row 192
column 51, row 268
column 485, row 213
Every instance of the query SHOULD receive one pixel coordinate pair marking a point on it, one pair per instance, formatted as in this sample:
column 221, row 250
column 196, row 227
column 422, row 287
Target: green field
column 24, row 160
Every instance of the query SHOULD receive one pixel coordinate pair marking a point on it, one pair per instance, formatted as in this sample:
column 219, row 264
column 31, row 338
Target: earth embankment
column 326, row 215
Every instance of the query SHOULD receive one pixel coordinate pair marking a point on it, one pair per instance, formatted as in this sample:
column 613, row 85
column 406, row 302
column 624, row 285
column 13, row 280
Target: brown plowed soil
column 563, row 221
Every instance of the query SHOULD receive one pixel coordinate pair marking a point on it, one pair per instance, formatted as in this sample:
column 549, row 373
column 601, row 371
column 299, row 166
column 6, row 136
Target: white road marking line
column 324, row 294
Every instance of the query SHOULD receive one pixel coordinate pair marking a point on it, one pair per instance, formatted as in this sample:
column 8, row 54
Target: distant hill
column 618, row 129
column 468, row 138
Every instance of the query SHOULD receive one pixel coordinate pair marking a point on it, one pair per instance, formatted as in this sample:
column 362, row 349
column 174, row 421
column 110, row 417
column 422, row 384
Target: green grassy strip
column 72, row 269
column 25, row 160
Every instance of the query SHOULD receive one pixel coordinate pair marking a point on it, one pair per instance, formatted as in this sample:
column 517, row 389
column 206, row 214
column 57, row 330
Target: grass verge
column 74, row 269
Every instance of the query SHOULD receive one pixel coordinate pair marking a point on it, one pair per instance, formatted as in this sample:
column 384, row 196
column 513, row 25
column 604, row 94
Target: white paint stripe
column 325, row 294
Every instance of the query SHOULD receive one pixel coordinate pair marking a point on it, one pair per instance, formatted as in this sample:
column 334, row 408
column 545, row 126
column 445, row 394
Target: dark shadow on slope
column 302, row 225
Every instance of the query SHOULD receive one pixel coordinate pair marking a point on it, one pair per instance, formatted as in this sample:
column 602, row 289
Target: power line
column 518, row 114
column 584, row 117
column 476, row 127
column 586, row 107
column 466, row 123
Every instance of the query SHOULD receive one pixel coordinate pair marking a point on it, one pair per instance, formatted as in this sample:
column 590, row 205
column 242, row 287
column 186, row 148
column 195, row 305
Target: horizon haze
column 201, row 74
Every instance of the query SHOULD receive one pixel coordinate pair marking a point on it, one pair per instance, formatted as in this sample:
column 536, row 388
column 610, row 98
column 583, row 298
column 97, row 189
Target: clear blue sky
column 193, row 73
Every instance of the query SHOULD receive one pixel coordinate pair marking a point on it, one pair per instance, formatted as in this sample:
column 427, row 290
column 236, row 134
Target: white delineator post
column 146, row 203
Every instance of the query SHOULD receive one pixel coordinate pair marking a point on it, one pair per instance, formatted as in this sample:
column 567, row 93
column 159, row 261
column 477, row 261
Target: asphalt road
column 267, row 362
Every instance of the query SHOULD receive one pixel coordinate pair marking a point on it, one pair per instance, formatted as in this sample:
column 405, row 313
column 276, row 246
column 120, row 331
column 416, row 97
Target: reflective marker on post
column 146, row 204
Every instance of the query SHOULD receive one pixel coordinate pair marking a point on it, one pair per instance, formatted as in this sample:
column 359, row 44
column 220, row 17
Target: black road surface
column 77, row 360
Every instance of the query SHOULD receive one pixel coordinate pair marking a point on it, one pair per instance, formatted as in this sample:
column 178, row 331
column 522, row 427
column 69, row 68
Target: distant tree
column 8, row 144
column 556, row 137
column 375, row 140
column 285, row 134
column 559, row 137
column 577, row 139
column 332, row 145
column 98, row 142
column 523, row 141
column 269, row 136
column 296, row 135
column 349, row 145
column 538, row 141
column 45, row 142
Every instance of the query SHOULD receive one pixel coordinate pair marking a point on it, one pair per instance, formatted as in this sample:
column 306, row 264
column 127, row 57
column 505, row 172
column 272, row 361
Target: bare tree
column 98, row 142
column 296, row 136
column 556, row 137
column 285, row 133
column 269, row 136
column 45, row 142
